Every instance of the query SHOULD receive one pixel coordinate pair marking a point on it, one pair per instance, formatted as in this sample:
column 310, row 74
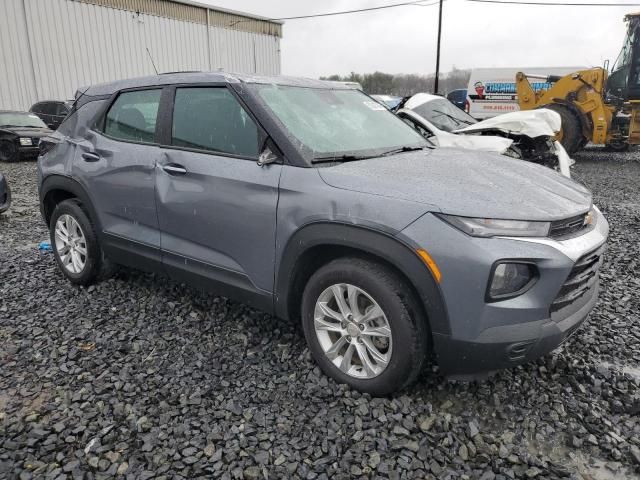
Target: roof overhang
column 196, row 12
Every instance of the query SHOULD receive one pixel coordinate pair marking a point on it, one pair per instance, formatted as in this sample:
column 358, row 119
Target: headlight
column 490, row 227
column 25, row 142
column 510, row 279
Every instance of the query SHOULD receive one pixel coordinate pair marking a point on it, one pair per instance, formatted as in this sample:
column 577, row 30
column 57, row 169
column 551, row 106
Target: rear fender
column 66, row 184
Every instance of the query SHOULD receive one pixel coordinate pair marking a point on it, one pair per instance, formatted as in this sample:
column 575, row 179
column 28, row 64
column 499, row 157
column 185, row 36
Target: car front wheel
column 363, row 326
column 8, row 151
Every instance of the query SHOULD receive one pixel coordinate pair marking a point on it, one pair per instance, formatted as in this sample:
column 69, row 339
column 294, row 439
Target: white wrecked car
column 527, row 135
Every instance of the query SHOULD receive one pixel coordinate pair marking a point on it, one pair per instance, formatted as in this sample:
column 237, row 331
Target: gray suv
column 313, row 202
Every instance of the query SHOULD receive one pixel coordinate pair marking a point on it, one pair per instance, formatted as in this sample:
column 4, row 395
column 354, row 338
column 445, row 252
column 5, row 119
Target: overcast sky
column 403, row 39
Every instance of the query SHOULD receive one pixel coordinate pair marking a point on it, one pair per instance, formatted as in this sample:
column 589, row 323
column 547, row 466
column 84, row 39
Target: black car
column 20, row 134
column 458, row 98
column 5, row 194
column 52, row 112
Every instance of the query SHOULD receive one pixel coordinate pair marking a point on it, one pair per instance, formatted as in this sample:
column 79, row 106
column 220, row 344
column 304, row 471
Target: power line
column 555, row 4
column 417, row 3
column 420, row 3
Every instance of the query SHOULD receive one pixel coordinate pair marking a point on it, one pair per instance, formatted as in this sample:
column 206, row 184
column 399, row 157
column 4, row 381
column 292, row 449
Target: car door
column 116, row 163
column 216, row 205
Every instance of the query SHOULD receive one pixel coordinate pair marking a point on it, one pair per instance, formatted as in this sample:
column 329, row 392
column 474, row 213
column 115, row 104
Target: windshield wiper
column 401, row 150
column 350, row 157
column 341, row 158
column 455, row 119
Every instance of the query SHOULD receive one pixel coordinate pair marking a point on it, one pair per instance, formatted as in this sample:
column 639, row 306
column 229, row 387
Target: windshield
column 337, row 123
column 17, row 119
column 444, row 115
column 624, row 58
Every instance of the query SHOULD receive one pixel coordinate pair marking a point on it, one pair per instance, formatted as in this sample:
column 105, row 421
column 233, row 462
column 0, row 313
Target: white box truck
column 492, row 91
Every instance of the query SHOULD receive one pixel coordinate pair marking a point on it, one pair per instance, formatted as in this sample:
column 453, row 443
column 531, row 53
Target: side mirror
column 267, row 157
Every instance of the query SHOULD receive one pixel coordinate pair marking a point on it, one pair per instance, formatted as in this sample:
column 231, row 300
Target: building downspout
column 209, row 40
column 33, row 68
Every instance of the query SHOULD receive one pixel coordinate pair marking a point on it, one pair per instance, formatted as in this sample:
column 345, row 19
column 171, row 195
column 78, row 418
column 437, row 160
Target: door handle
column 173, row 169
column 90, row 157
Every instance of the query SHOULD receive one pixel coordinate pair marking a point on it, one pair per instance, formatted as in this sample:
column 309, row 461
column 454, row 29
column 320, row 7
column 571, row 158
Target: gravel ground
column 139, row 377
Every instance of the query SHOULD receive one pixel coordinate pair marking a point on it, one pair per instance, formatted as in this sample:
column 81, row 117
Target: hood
column 447, row 139
column 28, row 132
column 532, row 123
column 467, row 183
column 473, row 142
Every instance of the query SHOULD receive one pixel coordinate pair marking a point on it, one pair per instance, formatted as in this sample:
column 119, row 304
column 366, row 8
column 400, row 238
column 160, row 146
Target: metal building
column 50, row 48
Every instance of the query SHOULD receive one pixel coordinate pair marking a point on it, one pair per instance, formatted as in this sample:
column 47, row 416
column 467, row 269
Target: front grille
column 583, row 276
column 568, row 226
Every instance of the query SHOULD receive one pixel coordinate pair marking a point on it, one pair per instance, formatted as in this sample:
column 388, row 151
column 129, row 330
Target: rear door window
column 133, row 116
column 212, row 119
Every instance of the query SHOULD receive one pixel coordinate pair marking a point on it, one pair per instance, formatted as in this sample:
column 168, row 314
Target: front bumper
column 510, row 345
column 28, row 153
column 479, row 336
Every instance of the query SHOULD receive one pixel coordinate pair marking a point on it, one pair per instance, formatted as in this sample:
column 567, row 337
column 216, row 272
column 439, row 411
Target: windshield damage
column 338, row 125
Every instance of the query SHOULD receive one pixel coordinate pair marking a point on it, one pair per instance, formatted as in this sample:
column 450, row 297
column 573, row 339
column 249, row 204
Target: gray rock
column 473, row 429
column 463, row 452
column 252, row 473
column 73, row 464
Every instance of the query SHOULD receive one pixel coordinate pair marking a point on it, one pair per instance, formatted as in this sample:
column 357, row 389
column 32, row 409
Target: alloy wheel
column 353, row 331
column 71, row 244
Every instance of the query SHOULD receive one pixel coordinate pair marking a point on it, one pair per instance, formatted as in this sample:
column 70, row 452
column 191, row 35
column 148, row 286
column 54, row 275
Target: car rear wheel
column 74, row 243
column 8, row 151
column 363, row 326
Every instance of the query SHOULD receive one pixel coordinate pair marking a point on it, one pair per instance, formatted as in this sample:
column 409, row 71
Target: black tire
column 583, row 143
column 618, row 146
column 94, row 259
column 409, row 331
column 8, row 151
column 7, row 200
column 571, row 135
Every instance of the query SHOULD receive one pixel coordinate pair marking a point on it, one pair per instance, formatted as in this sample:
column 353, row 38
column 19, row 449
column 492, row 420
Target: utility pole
column 435, row 87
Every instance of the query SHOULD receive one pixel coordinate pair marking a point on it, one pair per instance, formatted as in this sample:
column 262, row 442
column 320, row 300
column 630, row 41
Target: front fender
column 368, row 242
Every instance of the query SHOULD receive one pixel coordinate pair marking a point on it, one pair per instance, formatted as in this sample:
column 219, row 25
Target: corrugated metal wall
column 49, row 48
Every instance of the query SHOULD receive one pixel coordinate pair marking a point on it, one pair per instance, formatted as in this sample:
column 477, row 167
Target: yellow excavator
column 595, row 105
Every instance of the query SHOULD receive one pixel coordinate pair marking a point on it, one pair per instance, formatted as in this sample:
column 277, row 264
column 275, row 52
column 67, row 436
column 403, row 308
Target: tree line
column 405, row 84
